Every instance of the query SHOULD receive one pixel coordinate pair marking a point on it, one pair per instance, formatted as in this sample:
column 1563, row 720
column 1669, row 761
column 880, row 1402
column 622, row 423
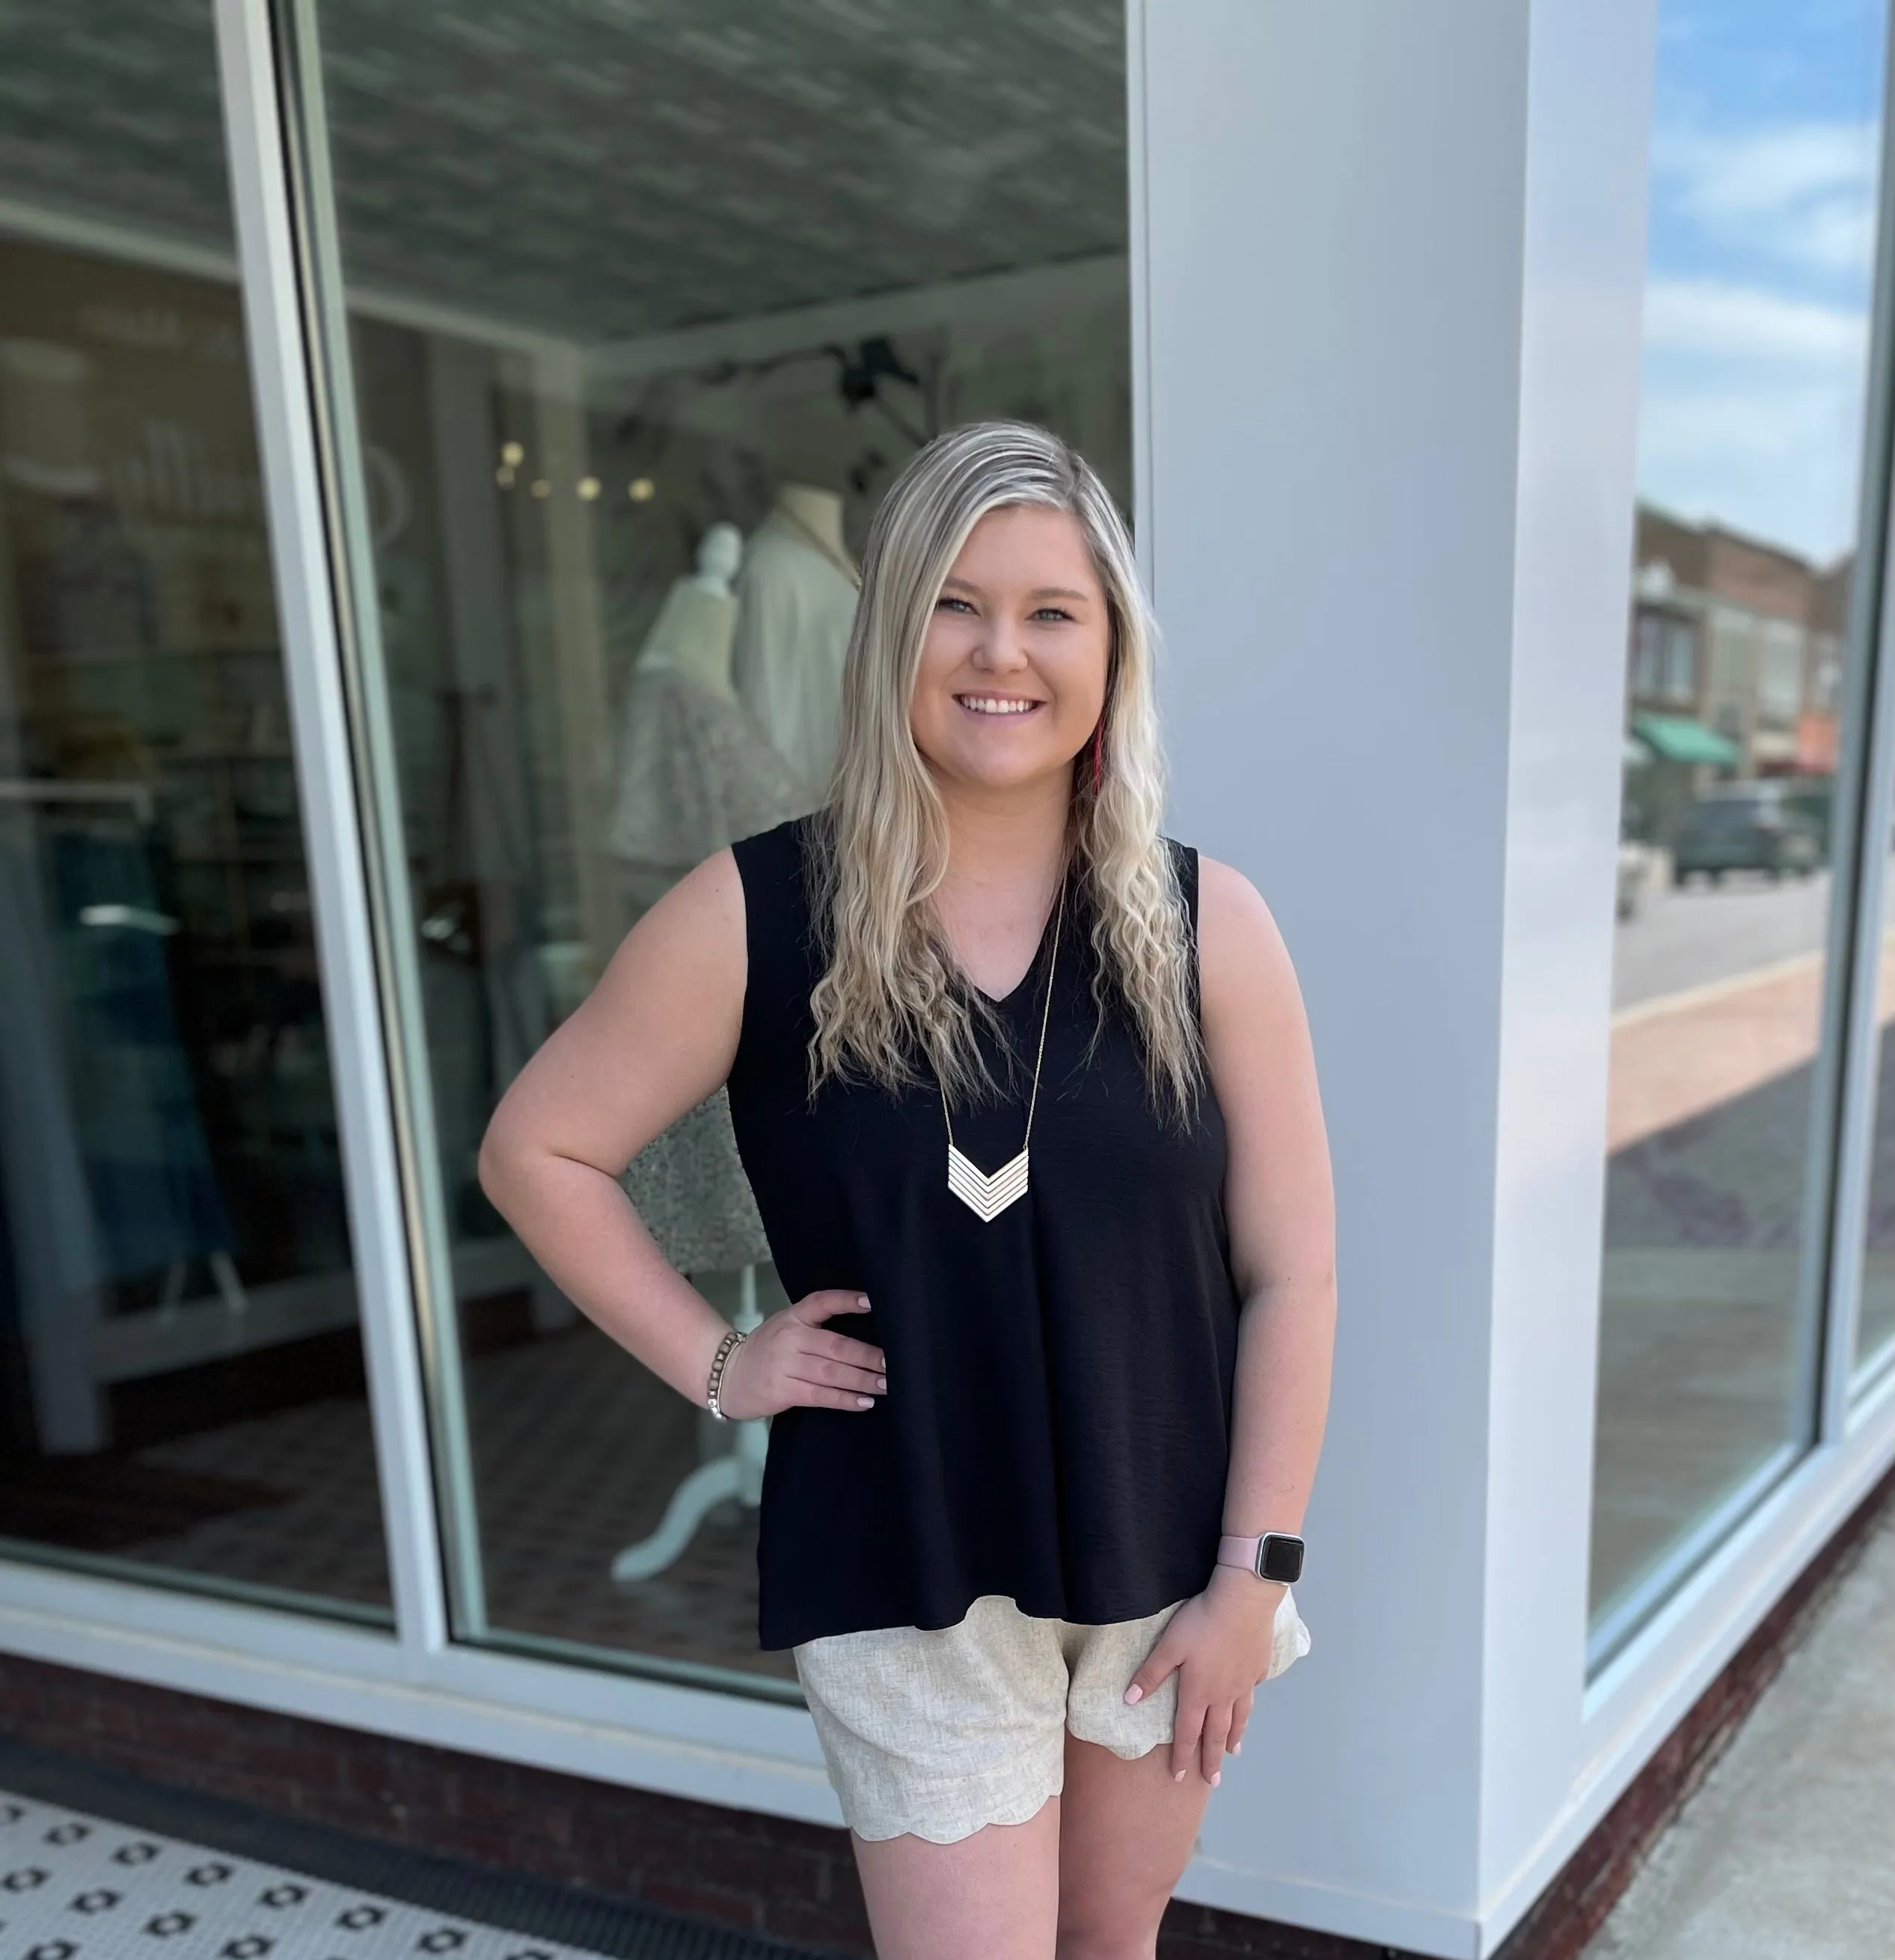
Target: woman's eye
column 1053, row 612
column 948, row 599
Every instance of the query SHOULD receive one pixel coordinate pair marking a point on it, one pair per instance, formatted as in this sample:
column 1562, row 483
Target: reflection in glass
column 1875, row 1323
column 645, row 310
column 179, row 1345
column 1765, row 155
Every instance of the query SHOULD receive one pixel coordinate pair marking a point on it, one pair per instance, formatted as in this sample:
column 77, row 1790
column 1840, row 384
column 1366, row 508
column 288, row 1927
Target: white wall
column 1393, row 261
column 1589, row 99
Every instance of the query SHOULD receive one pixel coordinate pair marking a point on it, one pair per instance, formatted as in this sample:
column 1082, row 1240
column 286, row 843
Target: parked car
column 1755, row 825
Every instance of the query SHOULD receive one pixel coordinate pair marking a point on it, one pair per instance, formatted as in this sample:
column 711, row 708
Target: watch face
column 1282, row 1559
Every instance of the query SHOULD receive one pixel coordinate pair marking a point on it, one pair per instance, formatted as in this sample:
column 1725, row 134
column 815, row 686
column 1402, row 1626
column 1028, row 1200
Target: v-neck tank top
column 1056, row 1426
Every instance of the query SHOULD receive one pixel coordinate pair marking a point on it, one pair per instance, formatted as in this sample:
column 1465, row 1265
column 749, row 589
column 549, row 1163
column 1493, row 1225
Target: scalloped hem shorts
column 938, row 1733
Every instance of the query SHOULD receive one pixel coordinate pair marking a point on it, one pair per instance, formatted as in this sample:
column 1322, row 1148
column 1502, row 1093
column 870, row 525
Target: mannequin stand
column 223, row 1273
column 738, row 1474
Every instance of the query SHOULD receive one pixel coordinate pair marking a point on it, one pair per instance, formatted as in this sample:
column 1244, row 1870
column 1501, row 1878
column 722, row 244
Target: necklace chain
column 1046, row 1012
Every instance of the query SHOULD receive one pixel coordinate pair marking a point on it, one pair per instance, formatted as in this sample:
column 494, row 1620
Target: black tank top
column 1057, row 1423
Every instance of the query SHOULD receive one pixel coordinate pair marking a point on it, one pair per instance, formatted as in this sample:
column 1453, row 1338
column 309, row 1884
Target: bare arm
column 1279, row 1201
column 655, row 1038
column 1280, row 1205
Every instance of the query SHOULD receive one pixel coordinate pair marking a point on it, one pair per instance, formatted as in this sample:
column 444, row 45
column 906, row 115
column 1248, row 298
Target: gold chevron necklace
column 988, row 1194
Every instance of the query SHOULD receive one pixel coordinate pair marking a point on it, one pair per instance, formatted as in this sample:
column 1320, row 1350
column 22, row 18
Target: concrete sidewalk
column 1787, row 1850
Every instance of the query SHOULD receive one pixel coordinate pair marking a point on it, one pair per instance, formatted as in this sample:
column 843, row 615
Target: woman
column 1025, row 1095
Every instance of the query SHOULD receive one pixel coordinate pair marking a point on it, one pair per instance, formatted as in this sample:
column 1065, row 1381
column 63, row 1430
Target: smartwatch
column 1276, row 1556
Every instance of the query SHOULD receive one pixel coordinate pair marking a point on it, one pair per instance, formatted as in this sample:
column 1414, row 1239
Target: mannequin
column 695, row 771
column 695, row 627
column 818, row 511
column 797, row 602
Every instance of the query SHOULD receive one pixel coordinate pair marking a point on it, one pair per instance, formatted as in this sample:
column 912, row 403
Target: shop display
column 796, row 598
column 695, row 771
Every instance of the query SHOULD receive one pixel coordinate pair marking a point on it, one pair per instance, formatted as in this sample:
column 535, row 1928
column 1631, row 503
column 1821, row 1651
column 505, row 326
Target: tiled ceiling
column 610, row 168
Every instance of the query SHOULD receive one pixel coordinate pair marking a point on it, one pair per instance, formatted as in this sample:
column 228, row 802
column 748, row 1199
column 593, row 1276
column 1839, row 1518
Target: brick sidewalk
column 1674, row 1057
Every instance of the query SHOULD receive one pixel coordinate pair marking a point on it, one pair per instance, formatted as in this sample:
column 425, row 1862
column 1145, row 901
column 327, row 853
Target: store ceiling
column 607, row 169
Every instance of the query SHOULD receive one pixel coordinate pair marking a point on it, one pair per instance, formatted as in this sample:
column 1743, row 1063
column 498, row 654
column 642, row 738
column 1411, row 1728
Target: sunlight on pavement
column 1685, row 1053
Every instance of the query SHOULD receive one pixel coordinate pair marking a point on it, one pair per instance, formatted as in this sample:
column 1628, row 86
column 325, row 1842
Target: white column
column 1589, row 111
column 1393, row 266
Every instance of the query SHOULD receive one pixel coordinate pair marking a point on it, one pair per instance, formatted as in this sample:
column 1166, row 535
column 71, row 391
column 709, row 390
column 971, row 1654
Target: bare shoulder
column 701, row 913
column 1242, row 959
column 690, row 946
column 654, row 1037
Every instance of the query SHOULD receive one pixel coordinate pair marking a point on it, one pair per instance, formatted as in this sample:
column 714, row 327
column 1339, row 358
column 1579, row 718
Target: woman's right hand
column 792, row 1361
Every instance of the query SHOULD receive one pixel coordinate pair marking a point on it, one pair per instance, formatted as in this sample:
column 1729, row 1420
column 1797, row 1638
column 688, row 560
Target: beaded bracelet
column 720, row 1361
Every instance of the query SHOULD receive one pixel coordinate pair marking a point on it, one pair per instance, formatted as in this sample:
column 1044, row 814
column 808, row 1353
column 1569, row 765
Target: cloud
column 1770, row 447
column 1756, row 327
column 1803, row 193
column 1719, row 319
column 1752, row 410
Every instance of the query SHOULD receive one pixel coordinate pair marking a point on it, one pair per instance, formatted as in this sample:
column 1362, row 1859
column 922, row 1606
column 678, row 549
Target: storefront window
column 645, row 310
column 1765, row 163
column 179, row 1343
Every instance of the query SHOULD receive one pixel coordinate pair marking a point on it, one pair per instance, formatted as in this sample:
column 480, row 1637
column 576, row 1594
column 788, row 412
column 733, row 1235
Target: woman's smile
column 999, row 704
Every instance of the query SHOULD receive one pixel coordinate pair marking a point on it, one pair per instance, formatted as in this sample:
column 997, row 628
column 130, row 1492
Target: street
column 1703, row 934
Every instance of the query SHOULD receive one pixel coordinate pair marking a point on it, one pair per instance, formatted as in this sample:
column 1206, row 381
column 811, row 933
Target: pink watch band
column 1247, row 1553
column 1239, row 1551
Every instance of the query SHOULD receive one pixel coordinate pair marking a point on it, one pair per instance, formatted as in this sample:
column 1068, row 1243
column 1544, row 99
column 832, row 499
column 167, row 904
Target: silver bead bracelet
column 720, row 1361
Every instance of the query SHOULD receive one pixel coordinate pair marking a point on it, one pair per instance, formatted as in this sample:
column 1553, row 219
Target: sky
column 1765, row 147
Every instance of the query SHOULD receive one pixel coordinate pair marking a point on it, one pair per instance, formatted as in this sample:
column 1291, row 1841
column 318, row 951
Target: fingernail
column 1135, row 1693
column 1217, row 1776
column 1236, row 1749
column 862, row 1300
column 865, row 1402
column 1179, row 1777
column 881, row 1381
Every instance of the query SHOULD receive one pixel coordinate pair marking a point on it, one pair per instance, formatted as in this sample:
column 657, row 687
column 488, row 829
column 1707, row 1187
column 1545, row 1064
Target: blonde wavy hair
column 893, row 990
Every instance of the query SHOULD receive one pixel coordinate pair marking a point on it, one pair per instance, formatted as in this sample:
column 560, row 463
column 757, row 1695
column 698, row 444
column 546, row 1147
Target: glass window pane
column 179, row 1343
column 1764, row 184
column 646, row 308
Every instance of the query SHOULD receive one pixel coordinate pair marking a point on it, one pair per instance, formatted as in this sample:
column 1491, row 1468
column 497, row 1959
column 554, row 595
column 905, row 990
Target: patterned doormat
column 76, row 1884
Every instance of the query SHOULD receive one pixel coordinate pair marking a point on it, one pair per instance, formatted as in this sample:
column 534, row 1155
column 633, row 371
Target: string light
column 589, row 488
column 504, row 477
column 513, row 454
column 541, row 488
column 640, row 489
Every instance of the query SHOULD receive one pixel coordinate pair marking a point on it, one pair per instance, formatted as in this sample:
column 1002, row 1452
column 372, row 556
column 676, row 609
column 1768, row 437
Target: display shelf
column 290, row 853
column 121, row 657
column 275, row 753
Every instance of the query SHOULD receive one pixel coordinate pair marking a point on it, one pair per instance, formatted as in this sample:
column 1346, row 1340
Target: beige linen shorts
column 937, row 1733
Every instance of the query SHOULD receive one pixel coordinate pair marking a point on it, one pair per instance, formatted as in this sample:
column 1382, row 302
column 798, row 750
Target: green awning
column 1678, row 739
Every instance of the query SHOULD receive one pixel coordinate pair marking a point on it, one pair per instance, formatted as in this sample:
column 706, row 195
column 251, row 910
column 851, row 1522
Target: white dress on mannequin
column 796, row 602
column 696, row 772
